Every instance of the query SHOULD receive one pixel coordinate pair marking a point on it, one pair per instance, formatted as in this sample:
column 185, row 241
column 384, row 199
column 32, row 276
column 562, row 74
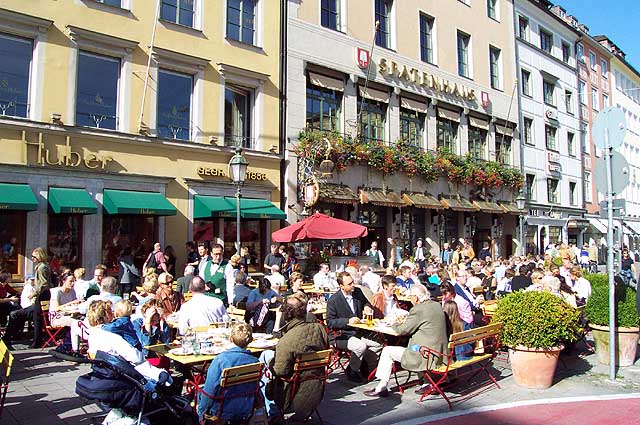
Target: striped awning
column 381, row 198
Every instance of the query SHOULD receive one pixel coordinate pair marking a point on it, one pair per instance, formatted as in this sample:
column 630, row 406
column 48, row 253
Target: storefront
column 16, row 200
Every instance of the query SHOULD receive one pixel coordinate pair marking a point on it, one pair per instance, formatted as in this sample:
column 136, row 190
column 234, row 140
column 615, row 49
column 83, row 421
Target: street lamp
column 238, row 172
column 520, row 203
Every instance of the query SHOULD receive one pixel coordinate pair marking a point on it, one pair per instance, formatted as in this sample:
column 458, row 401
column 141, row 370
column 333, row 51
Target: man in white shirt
column 27, row 290
column 323, row 280
column 369, row 278
column 276, row 278
column 90, row 287
column 200, row 310
column 107, row 293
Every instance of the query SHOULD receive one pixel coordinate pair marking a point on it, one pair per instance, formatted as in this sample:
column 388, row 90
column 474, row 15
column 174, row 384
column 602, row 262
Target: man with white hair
column 426, row 326
column 276, row 278
column 370, row 279
column 323, row 280
column 184, row 281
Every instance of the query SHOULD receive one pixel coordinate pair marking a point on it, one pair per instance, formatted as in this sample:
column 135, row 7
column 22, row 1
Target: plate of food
column 212, row 350
column 260, row 335
column 181, row 351
column 262, row 343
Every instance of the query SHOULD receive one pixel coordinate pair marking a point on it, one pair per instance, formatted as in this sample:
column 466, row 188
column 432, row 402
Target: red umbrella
column 319, row 226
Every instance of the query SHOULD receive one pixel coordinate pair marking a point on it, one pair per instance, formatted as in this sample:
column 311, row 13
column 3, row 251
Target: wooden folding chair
column 6, row 361
column 52, row 332
column 233, row 377
column 316, row 361
column 236, row 313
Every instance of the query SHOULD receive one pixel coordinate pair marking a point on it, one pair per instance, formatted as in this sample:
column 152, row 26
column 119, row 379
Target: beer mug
column 369, row 319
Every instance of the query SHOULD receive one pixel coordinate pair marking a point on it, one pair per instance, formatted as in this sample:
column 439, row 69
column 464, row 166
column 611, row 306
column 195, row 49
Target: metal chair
column 6, row 361
column 52, row 332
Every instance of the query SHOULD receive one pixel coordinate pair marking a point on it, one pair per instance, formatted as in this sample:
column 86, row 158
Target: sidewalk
column 42, row 390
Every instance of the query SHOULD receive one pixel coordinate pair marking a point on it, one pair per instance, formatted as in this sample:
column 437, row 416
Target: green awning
column 132, row 202
column 17, row 197
column 65, row 200
column 259, row 208
column 212, row 206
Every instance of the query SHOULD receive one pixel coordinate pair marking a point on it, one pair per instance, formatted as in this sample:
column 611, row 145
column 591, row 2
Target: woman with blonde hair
column 41, row 292
column 170, row 299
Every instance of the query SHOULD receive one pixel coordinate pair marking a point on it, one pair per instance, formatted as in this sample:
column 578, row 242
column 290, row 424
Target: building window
column 383, row 18
column 552, row 191
column 330, row 14
column 595, row 104
column 583, row 139
column 573, row 193
column 546, row 41
column 323, row 108
column 116, row 3
column 237, row 116
column 447, row 132
column 523, row 28
column 605, row 100
column 503, row 149
column 463, row 54
column 580, row 52
column 174, row 105
column 581, row 92
column 426, row 39
column 603, row 68
column 566, row 52
column 411, row 126
column 492, row 9
column 588, row 196
column 477, row 142
column 531, row 187
column 571, row 148
column 547, row 92
column 494, row 67
column 14, row 76
column 592, row 60
column 372, row 119
column 528, row 131
column 568, row 101
column 97, row 91
column 178, row 11
column 526, row 82
column 550, row 137
column 241, row 18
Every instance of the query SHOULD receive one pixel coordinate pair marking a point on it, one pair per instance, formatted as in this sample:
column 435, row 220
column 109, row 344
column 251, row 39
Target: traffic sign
column 619, row 173
column 613, row 119
column 619, row 206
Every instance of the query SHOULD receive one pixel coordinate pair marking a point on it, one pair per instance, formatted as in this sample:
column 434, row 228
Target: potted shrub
column 597, row 312
column 535, row 327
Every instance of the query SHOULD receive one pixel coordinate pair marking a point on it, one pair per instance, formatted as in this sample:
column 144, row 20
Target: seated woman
column 151, row 329
column 63, row 297
column 455, row 325
column 295, row 284
column 385, row 303
column 237, row 409
column 149, row 288
column 258, row 306
column 464, row 308
column 170, row 300
column 581, row 286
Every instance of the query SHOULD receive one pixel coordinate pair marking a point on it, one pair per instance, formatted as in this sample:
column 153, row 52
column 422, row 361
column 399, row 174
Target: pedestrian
column 41, row 292
column 274, row 257
column 156, row 259
column 128, row 273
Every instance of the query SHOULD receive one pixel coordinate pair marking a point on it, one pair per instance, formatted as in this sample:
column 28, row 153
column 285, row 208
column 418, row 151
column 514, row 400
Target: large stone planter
column 626, row 341
column 534, row 368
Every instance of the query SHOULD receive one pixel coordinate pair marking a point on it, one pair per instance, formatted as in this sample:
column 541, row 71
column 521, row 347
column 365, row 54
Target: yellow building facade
column 118, row 119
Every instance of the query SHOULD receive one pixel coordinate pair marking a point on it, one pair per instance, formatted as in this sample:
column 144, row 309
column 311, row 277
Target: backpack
column 152, row 262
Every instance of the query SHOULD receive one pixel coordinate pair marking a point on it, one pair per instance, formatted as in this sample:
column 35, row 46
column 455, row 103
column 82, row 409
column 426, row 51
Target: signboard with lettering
column 65, row 156
column 219, row 172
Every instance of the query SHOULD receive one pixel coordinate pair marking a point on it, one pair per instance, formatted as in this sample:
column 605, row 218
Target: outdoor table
column 378, row 326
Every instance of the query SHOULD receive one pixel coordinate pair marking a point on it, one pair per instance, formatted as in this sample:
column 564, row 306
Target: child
column 122, row 325
column 455, row 325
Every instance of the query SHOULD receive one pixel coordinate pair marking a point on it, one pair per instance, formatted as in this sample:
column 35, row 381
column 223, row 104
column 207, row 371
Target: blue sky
column 617, row 19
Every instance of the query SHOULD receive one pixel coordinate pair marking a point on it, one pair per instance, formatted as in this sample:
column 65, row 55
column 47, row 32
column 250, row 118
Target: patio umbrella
column 319, row 226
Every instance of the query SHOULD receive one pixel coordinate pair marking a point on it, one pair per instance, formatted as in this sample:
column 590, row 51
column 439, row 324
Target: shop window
column 411, row 126
column 241, row 20
column 323, row 108
column 330, row 14
column 137, row 232
column 372, row 119
column 174, row 105
column 14, row 75
column 555, row 234
column 477, row 142
column 97, row 91
column 178, row 11
column 12, row 241
column 447, row 134
column 237, row 116
column 64, row 241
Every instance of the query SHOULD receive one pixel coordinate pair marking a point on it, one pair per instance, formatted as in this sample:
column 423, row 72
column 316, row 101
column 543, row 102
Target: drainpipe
column 283, row 102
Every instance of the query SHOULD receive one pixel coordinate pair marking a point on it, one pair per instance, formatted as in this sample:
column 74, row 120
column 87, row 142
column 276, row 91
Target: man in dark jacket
column 344, row 308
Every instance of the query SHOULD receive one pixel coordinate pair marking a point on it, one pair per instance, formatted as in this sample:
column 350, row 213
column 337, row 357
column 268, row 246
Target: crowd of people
column 440, row 295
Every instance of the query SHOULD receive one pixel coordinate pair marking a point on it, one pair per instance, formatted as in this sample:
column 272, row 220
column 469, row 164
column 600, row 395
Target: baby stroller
column 116, row 384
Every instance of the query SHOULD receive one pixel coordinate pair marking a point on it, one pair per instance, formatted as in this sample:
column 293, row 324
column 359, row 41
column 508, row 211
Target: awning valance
column 17, row 197
column 633, row 225
column 458, row 204
column 212, row 206
column 259, row 208
column 133, row 202
column 337, row 194
column 488, row 207
column 414, row 105
column 381, row 198
column 511, row 208
column 66, row 200
column 421, row 200
column 326, row 82
column 217, row 206
column 598, row 224
column 507, row 131
column 449, row 114
column 478, row 123
column 374, row 94
column 546, row 221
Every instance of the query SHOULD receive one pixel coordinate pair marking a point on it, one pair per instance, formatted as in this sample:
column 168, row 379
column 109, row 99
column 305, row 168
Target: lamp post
column 520, row 203
column 238, row 172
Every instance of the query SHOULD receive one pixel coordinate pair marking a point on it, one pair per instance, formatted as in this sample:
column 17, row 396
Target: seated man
column 9, row 297
column 323, row 280
column 276, row 278
column 184, row 281
column 108, row 288
column 237, row 409
column 344, row 308
column 200, row 310
column 426, row 326
column 18, row 318
column 240, row 289
column 385, row 303
column 404, row 280
column 369, row 278
column 300, row 336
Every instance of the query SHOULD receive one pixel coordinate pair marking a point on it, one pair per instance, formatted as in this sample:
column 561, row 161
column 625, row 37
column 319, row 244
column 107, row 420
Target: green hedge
column 597, row 310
